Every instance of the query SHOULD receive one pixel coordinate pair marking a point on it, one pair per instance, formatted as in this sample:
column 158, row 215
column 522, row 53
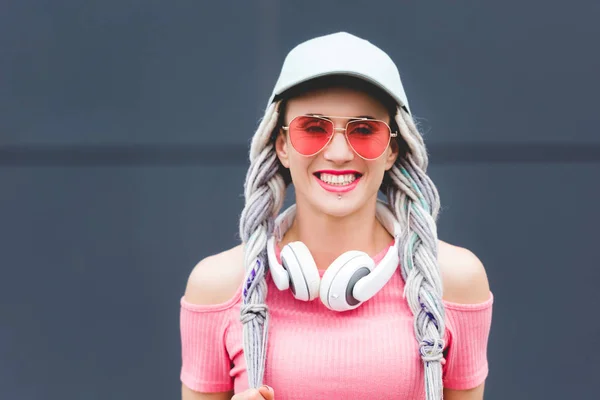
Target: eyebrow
column 351, row 118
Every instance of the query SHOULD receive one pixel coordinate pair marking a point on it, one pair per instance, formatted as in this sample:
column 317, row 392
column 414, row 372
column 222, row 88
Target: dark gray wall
column 124, row 128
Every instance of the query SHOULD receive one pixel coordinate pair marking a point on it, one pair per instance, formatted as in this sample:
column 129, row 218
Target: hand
column 262, row 393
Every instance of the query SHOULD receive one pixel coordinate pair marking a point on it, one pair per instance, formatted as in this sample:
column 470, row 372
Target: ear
column 392, row 154
column 282, row 148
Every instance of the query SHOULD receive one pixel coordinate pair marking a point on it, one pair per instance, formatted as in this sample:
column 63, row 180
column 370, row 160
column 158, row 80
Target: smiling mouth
column 337, row 180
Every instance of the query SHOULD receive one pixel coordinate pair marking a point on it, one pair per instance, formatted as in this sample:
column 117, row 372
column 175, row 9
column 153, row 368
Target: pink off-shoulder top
column 314, row 353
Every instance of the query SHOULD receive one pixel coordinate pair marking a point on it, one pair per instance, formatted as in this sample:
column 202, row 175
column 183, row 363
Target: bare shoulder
column 463, row 275
column 216, row 278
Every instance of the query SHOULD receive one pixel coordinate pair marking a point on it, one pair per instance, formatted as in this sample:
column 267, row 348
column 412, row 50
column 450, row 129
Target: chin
column 332, row 206
column 337, row 210
column 327, row 202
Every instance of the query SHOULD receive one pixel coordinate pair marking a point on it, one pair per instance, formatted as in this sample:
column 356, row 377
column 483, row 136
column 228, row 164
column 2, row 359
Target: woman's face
column 360, row 182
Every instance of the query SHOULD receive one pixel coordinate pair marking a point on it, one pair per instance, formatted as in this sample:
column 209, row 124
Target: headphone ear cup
column 341, row 276
column 304, row 275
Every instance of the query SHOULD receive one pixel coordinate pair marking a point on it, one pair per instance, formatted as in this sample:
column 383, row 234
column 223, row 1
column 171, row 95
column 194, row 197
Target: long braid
column 264, row 192
column 415, row 201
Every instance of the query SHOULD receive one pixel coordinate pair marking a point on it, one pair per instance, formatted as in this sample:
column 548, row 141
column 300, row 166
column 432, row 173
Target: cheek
column 377, row 170
column 298, row 165
column 378, row 166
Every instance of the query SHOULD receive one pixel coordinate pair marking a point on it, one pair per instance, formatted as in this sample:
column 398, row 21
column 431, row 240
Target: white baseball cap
column 341, row 54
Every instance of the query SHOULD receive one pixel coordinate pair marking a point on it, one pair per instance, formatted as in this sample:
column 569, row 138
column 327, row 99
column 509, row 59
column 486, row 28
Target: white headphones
column 349, row 281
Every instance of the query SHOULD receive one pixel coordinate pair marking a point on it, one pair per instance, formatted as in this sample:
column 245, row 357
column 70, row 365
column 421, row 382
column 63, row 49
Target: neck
column 327, row 236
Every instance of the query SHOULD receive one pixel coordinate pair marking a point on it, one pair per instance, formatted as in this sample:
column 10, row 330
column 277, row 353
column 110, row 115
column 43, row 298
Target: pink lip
column 337, row 189
column 338, row 172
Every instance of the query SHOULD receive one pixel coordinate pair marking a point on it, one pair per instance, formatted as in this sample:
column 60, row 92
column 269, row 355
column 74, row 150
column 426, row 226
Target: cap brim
column 289, row 85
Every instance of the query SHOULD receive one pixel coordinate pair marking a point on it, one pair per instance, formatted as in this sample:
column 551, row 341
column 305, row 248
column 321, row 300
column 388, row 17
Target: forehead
column 337, row 101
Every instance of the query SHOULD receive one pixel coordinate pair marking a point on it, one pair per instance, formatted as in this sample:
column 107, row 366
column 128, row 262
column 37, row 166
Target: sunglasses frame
column 345, row 129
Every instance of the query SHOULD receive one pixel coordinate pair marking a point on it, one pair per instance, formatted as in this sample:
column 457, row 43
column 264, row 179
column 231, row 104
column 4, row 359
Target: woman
column 363, row 300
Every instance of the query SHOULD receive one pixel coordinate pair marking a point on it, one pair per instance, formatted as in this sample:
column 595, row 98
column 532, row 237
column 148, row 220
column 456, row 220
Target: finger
column 267, row 392
column 250, row 394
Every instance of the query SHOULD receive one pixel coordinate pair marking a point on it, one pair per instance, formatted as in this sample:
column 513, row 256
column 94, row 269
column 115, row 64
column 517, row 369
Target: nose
column 338, row 150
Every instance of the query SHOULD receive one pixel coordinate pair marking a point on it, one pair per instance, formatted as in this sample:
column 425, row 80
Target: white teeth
column 339, row 180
